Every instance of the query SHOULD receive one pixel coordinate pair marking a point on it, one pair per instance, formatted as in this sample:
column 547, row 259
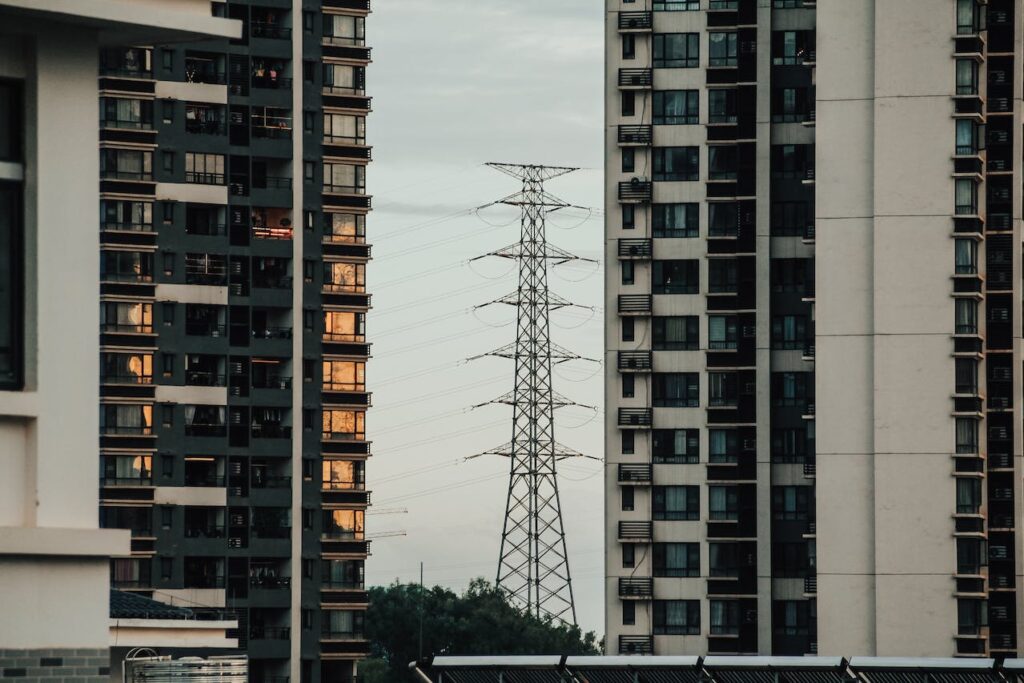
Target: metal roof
column 717, row 669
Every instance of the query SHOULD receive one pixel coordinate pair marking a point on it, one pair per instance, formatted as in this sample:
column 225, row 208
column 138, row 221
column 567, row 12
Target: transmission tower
column 533, row 565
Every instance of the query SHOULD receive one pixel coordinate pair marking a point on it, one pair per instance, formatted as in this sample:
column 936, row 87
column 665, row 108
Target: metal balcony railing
column 635, row 360
column 639, row 473
column 636, row 21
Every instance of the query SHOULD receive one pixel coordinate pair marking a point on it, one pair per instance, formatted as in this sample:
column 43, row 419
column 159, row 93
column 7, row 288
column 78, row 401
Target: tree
column 481, row 621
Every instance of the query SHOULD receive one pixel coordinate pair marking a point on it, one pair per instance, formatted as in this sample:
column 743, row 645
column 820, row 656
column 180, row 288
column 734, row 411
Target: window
column 126, row 419
column 627, row 498
column 968, row 496
column 968, row 137
column 791, row 503
column 628, row 159
column 340, row 29
column 124, row 215
column 628, row 613
column 789, row 331
column 725, row 617
column 345, row 227
column 789, row 218
column 789, row 445
column 966, row 316
column 344, row 375
column 628, row 386
column 126, row 368
column 723, row 446
column 204, row 169
column 966, row 197
column 792, row 275
column 966, row 77
column 342, row 524
column 792, row 388
column 133, row 470
column 126, row 164
column 342, row 475
column 675, row 446
column 790, row 161
column 789, row 105
column 344, row 178
column 723, row 219
column 790, row 47
column 792, row 617
column 722, row 276
column 348, row 80
column 675, row 220
column 119, row 112
column 790, row 560
column 344, row 277
column 966, row 375
column 970, row 556
column 966, row 435
column 12, row 256
column 628, row 217
column 675, row 389
column 628, row 329
column 675, row 107
column 676, row 163
column 723, row 161
column 969, row 17
column 167, row 161
column 628, row 46
column 722, row 48
column 676, row 617
column 723, row 503
column 628, row 555
column 204, row 119
column 344, row 425
column 971, row 616
column 676, row 503
column 676, row 50
column 126, row 317
column 628, row 443
column 344, row 326
column 308, row 71
column 676, row 5
column 723, row 560
column 308, row 20
column 722, row 105
column 628, row 103
column 676, row 559
column 344, row 128
column 721, row 332
column 627, row 272
column 675, row 333
column 722, row 390
column 675, row 277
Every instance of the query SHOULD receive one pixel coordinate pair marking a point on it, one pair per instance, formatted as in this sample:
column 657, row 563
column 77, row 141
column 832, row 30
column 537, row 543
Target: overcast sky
column 455, row 84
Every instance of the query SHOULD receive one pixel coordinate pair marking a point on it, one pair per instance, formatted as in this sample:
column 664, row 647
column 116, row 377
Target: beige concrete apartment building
column 813, row 341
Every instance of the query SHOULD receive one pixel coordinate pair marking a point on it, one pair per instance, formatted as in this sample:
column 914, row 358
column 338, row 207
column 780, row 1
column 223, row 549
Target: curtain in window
column 677, row 556
column 966, row 316
column 966, row 256
column 676, row 498
column 965, row 14
column 965, row 196
column 967, row 495
column 718, row 502
column 719, row 616
column 966, row 435
column 966, row 76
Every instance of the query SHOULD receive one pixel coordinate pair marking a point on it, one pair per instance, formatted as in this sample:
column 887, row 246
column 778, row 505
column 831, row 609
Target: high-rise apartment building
column 233, row 253
column 813, row 268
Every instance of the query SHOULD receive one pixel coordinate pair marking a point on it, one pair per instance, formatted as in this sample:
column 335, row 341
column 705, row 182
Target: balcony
column 636, row 248
column 635, row 135
column 634, row 474
column 272, row 333
column 634, row 304
column 271, row 431
column 635, row 191
column 127, row 482
column 269, row 29
column 636, row 531
column 271, row 531
column 636, row 417
column 125, row 378
column 363, row 5
column 636, row 21
column 642, row 588
column 205, row 430
column 199, row 378
column 205, row 531
column 260, row 632
column 630, row 79
column 636, row 361
column 268, row 81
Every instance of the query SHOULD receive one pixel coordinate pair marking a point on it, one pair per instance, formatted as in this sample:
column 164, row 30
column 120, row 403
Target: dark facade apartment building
column 813, row 253
column 232, row 338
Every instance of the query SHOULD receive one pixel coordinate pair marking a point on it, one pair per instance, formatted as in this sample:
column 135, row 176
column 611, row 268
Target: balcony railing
column 257, row 632
column 205, row 531
column 205, row 430
column 264, row 233
column 127, row 481
column 272, row 333
column 200, row 178
column 273, row 382
column 126, row 378
column 271, row 83
column 127, row 430
column 199, row 378
column 203, row 329
column 271, row 431
column 344, row 189
column 266, row 29
column 270, row 582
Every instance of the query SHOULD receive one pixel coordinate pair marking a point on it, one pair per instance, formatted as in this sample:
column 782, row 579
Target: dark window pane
column 11, row 289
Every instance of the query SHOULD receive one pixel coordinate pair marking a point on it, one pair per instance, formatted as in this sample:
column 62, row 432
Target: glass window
column 344, row 326
column 722, row 105
column 968, row 496
column 676, row 50
column 722, row 277
column 972, row 616
column 12, row 330
column 676, row 503
column 676, row 5
column 789, row 331
column 676, row 559
column 344, row 178
column 723, row 161
column 970, row 556
column 723, row 446
column 721, row 332
column 344, row 425
column 969, row 17
column 204, row 169
column 676, row 333
column 723, row 219
column 126, row 164
column 676, row 163
column 676, row 617
column 344, row 128
column 966, row 375
column 343, row 524
column 966, row 316
column 725, row 617
column 722, row 389
column 722, row 48
column 966, row 77
column 344, row 375
column 341, row 29
column 791, row 503
column 790, row 218
column 675, row 389
column 339, row 78
column 675, row 220
column 121, row 112
column 675, row 107
column 792, row 617
column 789, row 104
column 966, row 435
column 675, row 277
column 966, row 197
column 723, row 560
column 968, row 137
column 723, row 503
column 675, row 446
column 344, row 277
column 789, row 444
column 342, row 474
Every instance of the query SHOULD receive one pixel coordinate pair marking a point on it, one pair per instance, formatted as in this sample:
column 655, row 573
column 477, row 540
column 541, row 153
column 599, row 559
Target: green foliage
column 479, row 622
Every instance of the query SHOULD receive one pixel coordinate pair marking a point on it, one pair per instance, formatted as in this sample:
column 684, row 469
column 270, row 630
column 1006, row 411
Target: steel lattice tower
column 533, row 565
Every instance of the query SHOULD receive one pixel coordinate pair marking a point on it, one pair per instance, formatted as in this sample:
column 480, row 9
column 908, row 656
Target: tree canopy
column 481, row 621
